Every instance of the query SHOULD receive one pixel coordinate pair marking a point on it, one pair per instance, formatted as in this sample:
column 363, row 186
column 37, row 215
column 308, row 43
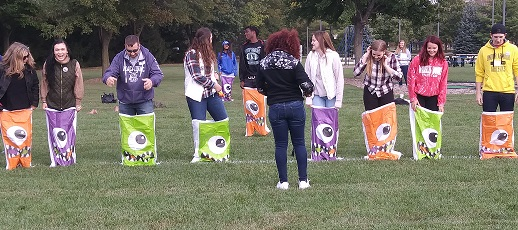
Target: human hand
column 33, row 107
column 111, row 81
column 516, row 98
column 479, row 98
column 44, row 105
column 216, row 75
column 148, row 84
column 366, row 54
column 217, row 87
column 441, row 109
column 414, row 103
column 78, row 108
column 242, row 84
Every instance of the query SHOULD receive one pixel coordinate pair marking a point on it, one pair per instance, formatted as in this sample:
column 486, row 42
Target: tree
column 465, row 42
column 417, row 11
column 14, row 14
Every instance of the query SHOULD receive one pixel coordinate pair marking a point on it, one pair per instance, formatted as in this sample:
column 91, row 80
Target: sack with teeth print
column 138, row 139
column 324, row 133
column 61, row 130
column 17, row 137
column 380, row 129
column 497, row 135
column 426, row 129
column 211, row 139
column 255, row 112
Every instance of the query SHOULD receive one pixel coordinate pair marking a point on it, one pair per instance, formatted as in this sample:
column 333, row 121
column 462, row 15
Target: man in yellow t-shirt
column 495, row 69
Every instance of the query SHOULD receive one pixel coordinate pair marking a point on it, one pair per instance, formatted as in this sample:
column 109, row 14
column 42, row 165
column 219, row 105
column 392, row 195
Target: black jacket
column 32, row 82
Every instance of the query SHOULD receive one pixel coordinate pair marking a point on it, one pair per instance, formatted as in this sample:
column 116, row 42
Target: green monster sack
column 138, row 139
column 426, row 131
column 211, row 139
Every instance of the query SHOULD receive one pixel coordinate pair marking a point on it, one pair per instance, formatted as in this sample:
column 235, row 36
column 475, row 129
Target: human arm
column 413, row 71
column 218, row 58
column 392, row 67
column 307, row 68
column 260, row 82
column 79, row 89
column 35, row 89
column 111, row 74
column 443, row 86
column 338, row 73
column 155, row 73
column 242, row 69
column 479, row 77
column 303, row 80
column 44, row 90
column 193, row 66
column 359, row 67
column 234, row 63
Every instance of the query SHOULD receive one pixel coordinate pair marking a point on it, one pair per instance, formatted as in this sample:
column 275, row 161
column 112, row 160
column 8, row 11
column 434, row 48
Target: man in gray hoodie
column 136, row 72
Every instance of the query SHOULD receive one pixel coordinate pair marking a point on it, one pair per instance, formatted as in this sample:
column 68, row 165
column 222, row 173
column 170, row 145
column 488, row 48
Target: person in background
column 324, row 67
column 404, row 56
column 283, row 79
column 428, row 76
column 227, row 68
column 381, row 69
column 62, row 79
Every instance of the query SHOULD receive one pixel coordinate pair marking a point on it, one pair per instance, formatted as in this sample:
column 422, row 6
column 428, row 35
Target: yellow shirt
column 495, row 68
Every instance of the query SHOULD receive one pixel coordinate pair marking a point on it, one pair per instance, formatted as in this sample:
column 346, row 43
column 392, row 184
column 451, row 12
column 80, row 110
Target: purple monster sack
column 61, row 127
column 324, row 133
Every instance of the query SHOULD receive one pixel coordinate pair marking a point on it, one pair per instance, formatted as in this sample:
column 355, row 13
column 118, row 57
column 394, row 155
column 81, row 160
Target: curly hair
column 203, row 45
column 285, row 40
column 424, row 57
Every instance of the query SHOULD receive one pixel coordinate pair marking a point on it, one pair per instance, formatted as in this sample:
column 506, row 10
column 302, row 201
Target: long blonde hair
column 398, row 49
column 377, row 45
column 324, row 40
column 12, row 61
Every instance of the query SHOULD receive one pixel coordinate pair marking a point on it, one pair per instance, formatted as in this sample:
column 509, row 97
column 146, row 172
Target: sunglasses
column 25, row 57
column 132, row 51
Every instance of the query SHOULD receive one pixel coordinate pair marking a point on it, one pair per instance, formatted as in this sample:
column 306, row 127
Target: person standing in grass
column 62, row 80
column 324, row 67
column 283, row 79
column 404, row 56
column 495, row 69
column 227, row 68
column 135, row 72
column 201, row 86
column 381, row 69
column 428, row 76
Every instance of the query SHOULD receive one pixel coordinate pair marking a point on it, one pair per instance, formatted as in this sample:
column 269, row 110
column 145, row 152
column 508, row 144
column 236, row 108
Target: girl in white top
column 404, row 57
column 324, row 68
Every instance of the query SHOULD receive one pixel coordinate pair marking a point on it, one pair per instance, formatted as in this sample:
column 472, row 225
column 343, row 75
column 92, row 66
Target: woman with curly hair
column 283, row 79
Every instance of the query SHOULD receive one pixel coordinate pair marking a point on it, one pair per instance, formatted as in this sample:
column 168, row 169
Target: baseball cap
column 498, row 29
column 225, row 43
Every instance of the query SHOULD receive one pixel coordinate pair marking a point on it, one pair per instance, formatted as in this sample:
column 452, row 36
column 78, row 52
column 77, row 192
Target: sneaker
column 304, row 184
column 283, row 185
column 195, row 159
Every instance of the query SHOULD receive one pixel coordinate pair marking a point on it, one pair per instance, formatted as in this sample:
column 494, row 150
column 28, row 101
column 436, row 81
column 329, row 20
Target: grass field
column 457, row 192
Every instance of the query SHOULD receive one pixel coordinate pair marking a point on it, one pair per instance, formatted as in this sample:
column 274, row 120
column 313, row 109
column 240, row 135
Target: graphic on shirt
column 133, row 73
column 426, row 133
column 324, row 133
column 430, row 71
column 253, row 55
column 497, row 135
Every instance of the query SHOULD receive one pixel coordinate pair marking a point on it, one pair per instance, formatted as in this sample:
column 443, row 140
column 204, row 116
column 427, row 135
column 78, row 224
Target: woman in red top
column 428, row 76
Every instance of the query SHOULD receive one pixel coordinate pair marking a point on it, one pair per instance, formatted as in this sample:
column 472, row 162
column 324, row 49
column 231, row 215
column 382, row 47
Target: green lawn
column 457, row 192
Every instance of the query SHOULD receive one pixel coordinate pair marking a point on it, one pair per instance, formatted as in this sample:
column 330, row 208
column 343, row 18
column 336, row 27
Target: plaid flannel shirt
column 382, row 84
column 193, row 65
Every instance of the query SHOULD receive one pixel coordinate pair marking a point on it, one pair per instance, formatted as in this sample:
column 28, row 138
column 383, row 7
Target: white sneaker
column 195, row 159
column 283, row 185
column 304, row 184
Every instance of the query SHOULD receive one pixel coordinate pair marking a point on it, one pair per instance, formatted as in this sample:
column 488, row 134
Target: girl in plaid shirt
column 382, row 68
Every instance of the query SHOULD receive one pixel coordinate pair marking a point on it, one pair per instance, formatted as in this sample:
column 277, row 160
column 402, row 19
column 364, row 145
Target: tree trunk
column 106, row 37
column 358, row 38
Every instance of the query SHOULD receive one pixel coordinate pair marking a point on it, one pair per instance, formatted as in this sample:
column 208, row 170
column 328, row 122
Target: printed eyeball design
column 430, row 137
column 252, row 107
column 217, row 144
column 61, row 137
column 227, row 88
column 17, row 134
column 499, row 137
column 137, row 140
column 383, row 131
column 325, row 132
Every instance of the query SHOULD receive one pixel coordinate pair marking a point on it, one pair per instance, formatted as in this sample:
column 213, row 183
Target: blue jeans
column 289, row 116
column 404, row 69
column 491, row 100
column 323, row 101
column 136, row 108
column 211, row 104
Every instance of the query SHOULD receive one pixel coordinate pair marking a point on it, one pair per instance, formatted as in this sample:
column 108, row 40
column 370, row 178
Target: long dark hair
column 51, row 61
column 202, row 44
column 424, row 57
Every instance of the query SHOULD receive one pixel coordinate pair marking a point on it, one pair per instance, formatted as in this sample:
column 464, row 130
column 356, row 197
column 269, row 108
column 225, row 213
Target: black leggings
column 372, row 101
column 428, row 102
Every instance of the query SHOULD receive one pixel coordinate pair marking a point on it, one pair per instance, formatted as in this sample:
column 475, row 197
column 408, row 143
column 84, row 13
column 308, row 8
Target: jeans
column 289, row 117
column 323, row 101
column 491, row 100
column 404, row 69
column 136, row 108
column 212, row 104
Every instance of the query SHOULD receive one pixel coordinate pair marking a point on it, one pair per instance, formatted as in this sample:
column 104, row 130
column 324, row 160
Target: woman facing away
column 283, row 79
column 381, row 69
column 201, row 86
column 62, row 79
column 404, row 56
column 428, row 76
column 324, row 68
